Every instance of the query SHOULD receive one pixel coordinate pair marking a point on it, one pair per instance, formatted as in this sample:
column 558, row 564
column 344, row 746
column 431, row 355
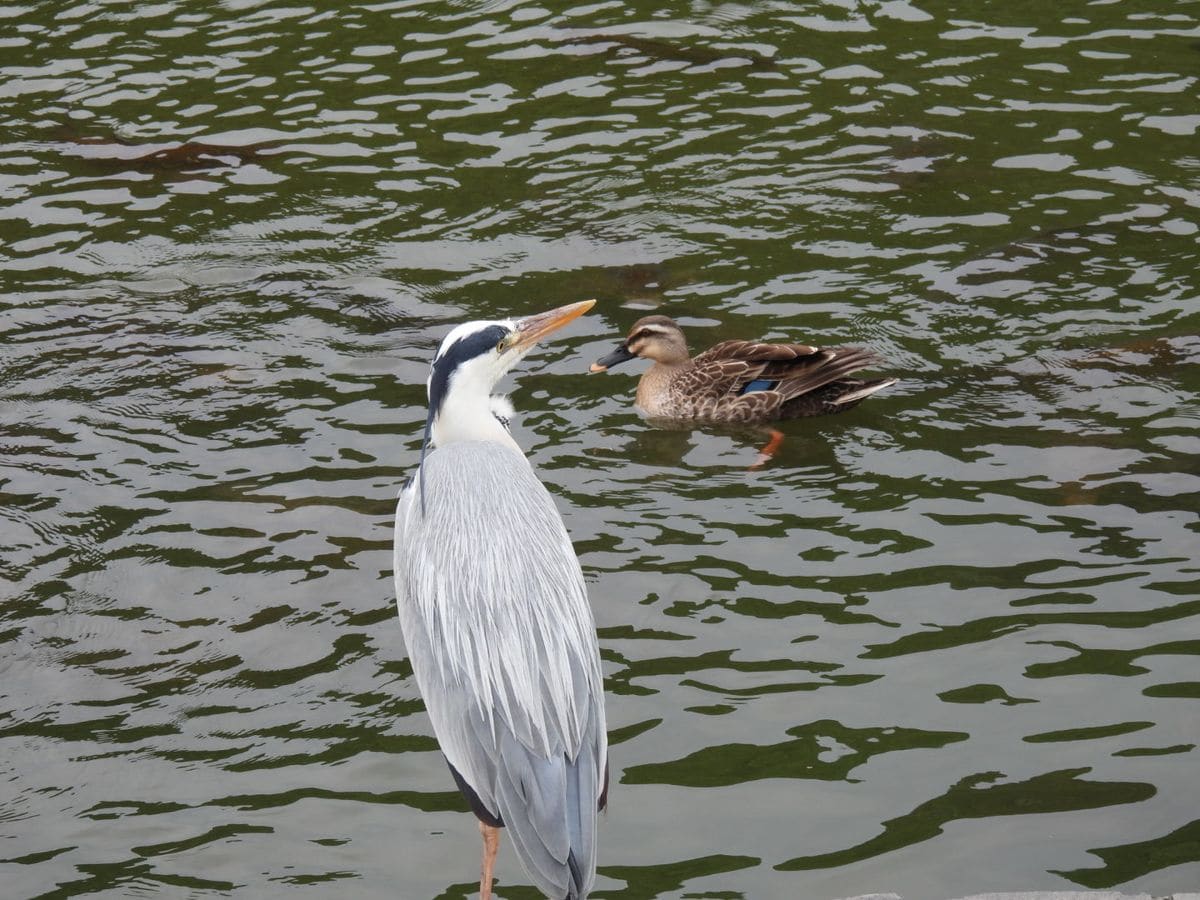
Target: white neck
column 467, row 416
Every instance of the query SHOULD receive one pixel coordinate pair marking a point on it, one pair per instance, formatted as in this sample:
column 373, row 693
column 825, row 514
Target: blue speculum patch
column 758, row 384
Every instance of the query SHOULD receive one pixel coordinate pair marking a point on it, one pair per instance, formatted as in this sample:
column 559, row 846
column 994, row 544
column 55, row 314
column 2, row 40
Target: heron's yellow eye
column 500, row 346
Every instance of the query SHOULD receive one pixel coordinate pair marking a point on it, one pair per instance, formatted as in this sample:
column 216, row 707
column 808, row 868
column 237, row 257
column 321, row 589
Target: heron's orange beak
column 532, row 329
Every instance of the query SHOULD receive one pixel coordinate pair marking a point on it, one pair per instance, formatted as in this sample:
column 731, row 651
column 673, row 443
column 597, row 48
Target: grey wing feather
column 503, row 646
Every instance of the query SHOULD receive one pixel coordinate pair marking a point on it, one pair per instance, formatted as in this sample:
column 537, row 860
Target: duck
column 741, row 382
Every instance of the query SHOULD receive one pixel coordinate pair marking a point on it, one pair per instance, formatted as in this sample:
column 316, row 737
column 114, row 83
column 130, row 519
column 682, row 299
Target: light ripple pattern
column 944, row 644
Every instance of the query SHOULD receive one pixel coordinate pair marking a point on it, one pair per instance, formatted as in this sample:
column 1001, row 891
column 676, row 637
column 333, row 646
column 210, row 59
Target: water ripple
column 954, row 622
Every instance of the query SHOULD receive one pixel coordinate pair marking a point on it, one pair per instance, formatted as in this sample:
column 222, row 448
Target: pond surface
column 945, row 643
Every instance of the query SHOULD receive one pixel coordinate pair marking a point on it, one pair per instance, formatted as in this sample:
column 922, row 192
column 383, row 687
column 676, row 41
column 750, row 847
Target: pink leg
column 491, row 843
column 765, row 454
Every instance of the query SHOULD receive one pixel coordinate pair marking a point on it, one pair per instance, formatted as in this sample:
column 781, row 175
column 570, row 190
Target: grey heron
column 496, row 620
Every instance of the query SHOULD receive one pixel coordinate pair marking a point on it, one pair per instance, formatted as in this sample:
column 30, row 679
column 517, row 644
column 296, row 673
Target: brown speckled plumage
column 808, row 381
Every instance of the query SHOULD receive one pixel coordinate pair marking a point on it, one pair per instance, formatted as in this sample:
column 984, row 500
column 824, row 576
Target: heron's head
column 653, row 337
column 470, row 361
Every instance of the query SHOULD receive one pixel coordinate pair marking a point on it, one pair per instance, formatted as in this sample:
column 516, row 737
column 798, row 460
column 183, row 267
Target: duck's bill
column 532, row 329
column 618, row 356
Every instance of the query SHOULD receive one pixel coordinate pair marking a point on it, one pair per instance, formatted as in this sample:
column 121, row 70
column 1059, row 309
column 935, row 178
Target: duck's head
column 654, row 337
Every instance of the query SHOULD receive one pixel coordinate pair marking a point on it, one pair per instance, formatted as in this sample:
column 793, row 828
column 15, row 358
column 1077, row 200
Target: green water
column 943, row 644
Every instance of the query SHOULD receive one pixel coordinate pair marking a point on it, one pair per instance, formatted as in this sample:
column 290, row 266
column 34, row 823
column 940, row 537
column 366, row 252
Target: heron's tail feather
column 582, row 791
column 551, row 825
column 576, row 876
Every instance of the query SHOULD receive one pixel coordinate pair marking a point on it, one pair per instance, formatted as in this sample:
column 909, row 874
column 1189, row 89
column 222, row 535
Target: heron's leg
column 491, row 843
column 768, row 450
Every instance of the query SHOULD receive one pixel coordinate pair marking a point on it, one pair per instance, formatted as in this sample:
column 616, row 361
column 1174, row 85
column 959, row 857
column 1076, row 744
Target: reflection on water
column 954, row 623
